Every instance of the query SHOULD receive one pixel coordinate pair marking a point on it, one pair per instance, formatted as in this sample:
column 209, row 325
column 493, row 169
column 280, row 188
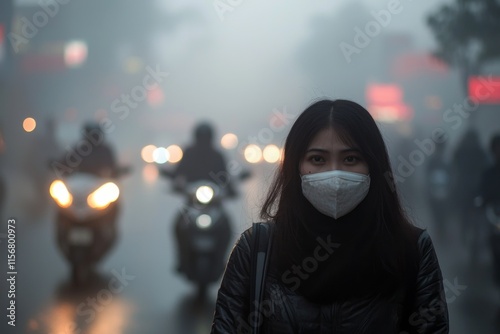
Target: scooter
column 203, row 231
column 86, row 228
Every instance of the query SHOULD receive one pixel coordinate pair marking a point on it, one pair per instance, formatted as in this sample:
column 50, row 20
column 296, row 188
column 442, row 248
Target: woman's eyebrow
column 351, row 149
column 321, row 150
column 345, row 150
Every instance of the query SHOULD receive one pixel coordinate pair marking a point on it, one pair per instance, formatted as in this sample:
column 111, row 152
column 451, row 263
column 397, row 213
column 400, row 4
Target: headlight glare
column 204, row 194
column 103, row 196
column 60, row 194
column 203, row 221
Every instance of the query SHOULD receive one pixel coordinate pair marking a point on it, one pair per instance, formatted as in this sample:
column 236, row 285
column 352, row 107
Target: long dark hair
column 286, row 205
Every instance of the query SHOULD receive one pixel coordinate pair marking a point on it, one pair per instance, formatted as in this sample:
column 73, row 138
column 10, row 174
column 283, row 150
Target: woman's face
column 327, row 152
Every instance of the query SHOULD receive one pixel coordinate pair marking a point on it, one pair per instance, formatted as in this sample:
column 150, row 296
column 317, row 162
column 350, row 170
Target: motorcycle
column 203, row 231
column 87, row 209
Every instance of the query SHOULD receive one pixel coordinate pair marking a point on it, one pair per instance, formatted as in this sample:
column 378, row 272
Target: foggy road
column 149, row 297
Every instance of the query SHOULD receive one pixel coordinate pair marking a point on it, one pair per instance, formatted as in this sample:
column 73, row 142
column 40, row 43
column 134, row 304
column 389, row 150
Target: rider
column 201, row 161
column 95, row 155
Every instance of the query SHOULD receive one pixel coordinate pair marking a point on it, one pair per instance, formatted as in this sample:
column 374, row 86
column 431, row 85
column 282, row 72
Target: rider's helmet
column 203, row 133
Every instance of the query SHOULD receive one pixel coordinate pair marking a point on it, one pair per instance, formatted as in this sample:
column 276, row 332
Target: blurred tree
column 468, row 34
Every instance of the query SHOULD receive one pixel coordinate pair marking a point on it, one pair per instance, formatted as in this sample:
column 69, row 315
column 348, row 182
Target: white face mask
column 335, row 193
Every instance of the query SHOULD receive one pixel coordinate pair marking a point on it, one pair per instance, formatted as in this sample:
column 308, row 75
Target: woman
column 345, row 258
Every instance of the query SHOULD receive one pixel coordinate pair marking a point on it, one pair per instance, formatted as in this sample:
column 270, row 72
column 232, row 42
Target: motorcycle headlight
column 103, row 196
column 60, row 194
column 204, row 194
column 203, row 221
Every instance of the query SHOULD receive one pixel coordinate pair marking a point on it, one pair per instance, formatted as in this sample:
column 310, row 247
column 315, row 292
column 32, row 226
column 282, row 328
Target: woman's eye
column 316, row 159
column 352, row 159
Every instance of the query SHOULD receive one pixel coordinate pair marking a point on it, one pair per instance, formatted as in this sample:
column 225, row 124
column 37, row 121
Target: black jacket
column 284, row 311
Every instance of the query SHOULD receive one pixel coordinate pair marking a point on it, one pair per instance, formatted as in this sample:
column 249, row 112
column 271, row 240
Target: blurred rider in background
column 92, row 154
column 202, row 161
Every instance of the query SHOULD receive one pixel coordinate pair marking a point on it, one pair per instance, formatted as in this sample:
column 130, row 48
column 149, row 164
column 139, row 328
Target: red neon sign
column 384, row 94
column 386, row 103
column 484, row 89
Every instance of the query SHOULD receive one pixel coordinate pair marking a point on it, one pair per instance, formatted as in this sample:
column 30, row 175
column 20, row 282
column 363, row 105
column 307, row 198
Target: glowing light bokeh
column 272, row 153
column 204, row 194
column 253, row 154
column 150, row 173
column 161, row 155
column 75, row 53
column 176, row 153
column 105, row 195
column 29, row 124
column 147, row 153
column 229, row 141
column 60, row 194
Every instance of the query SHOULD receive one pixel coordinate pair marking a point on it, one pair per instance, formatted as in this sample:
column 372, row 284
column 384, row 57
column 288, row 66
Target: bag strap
column 261, row 248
